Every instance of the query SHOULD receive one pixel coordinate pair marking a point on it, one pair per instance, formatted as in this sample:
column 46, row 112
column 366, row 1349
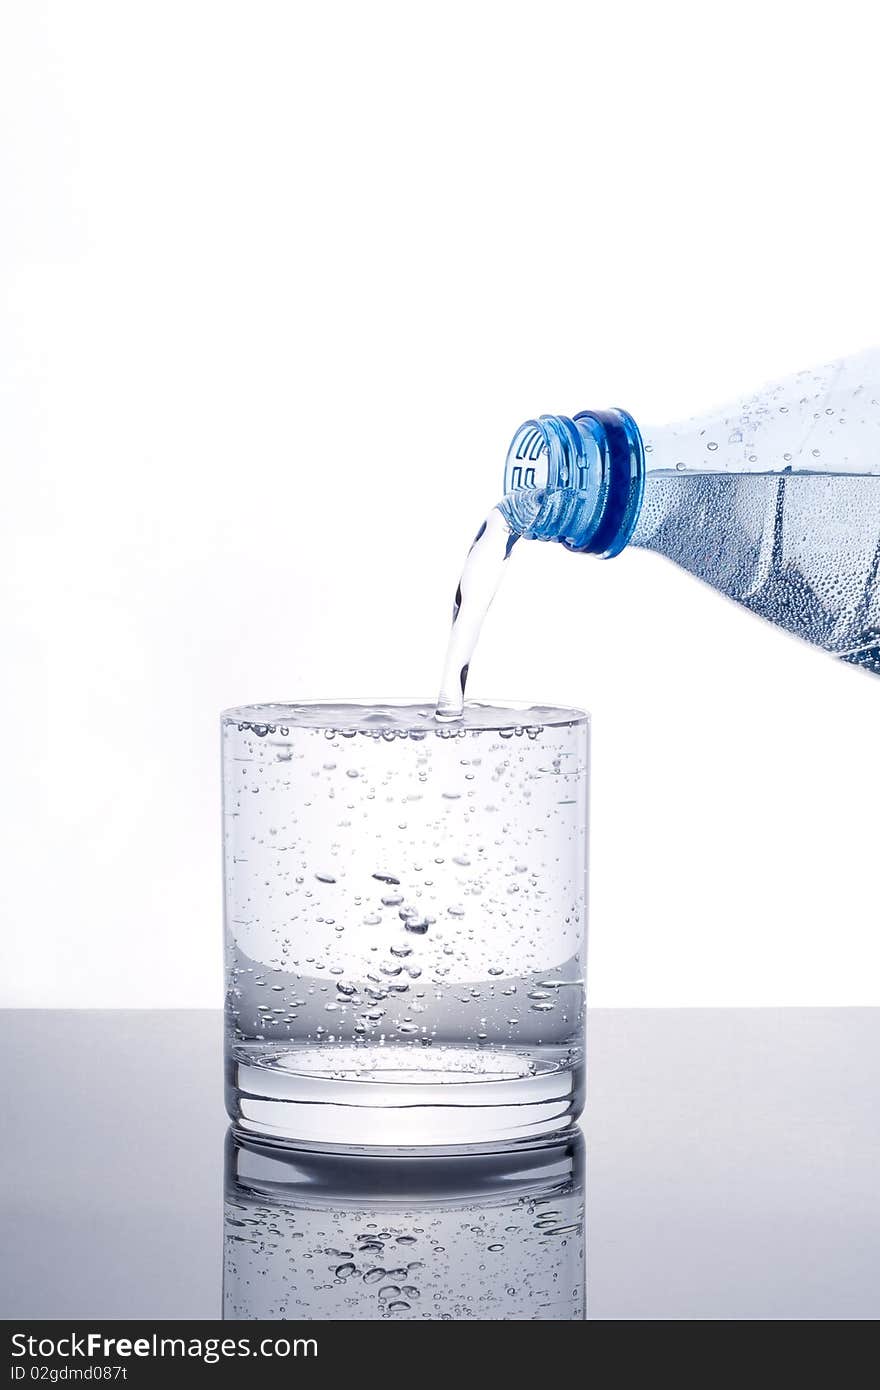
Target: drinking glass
column 405, row 904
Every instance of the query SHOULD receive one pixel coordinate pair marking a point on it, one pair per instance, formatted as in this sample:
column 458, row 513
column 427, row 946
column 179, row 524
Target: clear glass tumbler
column 341, row 1237
column 405, row 907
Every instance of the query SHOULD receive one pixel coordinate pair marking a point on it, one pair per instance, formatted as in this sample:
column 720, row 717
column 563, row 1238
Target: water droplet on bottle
column 373, row 1276
column 325, row 878
column 390, row 1291
column 345, row 1271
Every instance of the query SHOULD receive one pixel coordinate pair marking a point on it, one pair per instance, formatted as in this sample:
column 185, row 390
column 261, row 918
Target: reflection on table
column 321, row 1236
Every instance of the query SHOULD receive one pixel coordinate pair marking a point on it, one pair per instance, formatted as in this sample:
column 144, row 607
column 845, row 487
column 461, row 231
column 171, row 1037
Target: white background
column 278, row 283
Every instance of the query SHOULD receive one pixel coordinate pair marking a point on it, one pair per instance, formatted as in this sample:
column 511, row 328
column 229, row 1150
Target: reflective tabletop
column 730, row 1173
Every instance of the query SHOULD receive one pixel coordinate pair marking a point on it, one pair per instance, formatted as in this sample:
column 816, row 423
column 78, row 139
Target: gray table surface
column 732, row 1164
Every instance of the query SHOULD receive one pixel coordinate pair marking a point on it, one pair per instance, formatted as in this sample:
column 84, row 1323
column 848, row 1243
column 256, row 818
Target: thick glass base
column 396, row 1098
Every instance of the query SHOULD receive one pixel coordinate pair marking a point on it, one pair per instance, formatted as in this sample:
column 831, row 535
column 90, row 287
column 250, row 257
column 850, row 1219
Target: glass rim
column 478, row 715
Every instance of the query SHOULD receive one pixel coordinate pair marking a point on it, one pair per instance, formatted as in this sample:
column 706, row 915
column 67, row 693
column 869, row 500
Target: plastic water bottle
column 774, row 501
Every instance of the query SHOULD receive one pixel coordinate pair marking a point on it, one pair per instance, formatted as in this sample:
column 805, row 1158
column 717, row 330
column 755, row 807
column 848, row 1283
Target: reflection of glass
column 322, row 1236
column 405, row 923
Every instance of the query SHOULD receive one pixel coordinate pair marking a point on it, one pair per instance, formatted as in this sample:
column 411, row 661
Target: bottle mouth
column 550, row 452
column 578, row 481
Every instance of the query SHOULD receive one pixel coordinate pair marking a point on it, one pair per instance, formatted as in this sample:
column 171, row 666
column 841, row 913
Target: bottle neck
column 577, row 481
